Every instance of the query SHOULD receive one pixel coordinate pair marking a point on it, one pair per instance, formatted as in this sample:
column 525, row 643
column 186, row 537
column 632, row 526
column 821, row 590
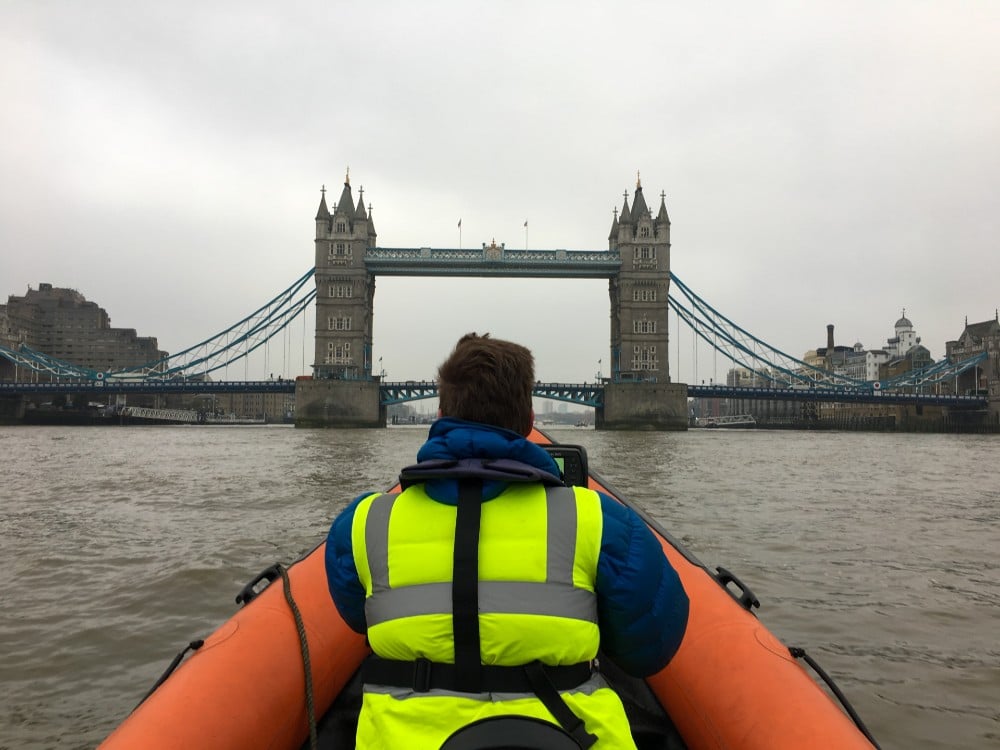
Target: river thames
column 877, row 553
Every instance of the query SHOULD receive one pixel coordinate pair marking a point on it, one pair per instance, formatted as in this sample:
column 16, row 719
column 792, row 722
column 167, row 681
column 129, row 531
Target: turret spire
column 346, row 203
column 359, row 212
column 626, row 216
column 639, row 210
column 322, row 212
column 661, row 217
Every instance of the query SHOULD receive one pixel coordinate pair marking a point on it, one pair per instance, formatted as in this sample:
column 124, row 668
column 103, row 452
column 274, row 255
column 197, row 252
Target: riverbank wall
column 947, row 424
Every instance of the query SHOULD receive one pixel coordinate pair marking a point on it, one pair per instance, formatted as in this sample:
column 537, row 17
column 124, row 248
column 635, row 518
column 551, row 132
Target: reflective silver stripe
column 377, row 538
column 556, row 597
column 591, row 686
column 499, row 597
column 560, row 504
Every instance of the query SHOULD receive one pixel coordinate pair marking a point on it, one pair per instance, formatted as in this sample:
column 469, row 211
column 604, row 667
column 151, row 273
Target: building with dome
column 901, row 353
column 904, row 340
column 904, row 352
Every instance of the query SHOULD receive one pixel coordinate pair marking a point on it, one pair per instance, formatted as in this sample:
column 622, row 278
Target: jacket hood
column 453, row 440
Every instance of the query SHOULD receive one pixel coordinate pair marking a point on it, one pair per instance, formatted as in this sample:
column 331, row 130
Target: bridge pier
column 338, row 403
column 11, row 409
column 643, row 406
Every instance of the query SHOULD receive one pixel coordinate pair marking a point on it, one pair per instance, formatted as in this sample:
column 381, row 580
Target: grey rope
column 304, row 645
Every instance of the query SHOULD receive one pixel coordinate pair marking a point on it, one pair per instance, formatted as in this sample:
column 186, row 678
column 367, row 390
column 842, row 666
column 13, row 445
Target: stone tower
column 639, row 293
column 345, row 291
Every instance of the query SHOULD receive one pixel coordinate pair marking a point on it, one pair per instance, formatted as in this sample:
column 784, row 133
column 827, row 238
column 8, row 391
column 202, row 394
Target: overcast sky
column 825, row 162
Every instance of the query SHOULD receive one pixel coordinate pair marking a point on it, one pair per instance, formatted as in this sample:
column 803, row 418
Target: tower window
column 644, row 358
column 338, row 353
column 644, row 258
column 643, row 326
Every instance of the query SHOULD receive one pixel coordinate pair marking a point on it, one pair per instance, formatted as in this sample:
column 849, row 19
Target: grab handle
column 746, row 597
column 250, row 591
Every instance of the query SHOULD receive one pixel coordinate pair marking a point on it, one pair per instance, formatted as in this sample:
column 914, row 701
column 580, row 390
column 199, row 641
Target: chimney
column 829, row 338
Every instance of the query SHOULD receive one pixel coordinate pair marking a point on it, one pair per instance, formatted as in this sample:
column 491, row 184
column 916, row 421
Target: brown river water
column 877, row 553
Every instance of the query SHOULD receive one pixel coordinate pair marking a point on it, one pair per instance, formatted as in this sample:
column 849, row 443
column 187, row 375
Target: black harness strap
column 468, row 675
column 554, row 702
column 422, row 675
column 465, row 586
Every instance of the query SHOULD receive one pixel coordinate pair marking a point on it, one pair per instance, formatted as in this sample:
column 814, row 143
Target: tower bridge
column 639, row 393
column 401, row 392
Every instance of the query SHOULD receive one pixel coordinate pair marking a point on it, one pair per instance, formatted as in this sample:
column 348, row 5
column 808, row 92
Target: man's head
column 488, row 380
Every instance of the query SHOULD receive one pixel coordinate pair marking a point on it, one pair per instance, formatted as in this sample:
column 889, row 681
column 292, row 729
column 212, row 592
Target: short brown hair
column 488, row 380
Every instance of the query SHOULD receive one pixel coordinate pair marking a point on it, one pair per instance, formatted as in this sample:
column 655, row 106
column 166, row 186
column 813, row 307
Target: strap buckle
column 422, row 675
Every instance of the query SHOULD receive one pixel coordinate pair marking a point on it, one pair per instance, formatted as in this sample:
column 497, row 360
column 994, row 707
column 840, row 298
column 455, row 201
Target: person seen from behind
column 486, row 586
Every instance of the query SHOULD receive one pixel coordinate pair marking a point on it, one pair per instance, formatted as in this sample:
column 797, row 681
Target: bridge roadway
column 834, row 395
column 152, row 386
column 493, row 260
column 583, row 394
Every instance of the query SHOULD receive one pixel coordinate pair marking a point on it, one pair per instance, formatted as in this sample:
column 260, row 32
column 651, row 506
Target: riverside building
column 977, row 338
column 63, row 324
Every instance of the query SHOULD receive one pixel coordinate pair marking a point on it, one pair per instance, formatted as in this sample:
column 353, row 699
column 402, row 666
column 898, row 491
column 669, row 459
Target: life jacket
column 483, row 610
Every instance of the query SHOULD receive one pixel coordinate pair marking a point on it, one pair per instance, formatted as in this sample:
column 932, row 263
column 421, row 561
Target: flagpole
column 459, row 234
column 525, row 234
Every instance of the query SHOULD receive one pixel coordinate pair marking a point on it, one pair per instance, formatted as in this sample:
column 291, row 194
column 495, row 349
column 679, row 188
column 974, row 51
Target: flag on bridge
column 459, row 223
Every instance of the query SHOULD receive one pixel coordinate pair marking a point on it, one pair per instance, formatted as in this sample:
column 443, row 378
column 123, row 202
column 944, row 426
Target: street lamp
column 598, row 371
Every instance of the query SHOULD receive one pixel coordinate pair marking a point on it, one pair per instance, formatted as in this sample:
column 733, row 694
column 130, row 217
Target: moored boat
column 283, row 672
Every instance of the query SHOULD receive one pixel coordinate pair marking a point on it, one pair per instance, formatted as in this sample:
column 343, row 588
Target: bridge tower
column 639, row 393
column 639, row 341
column 342, row 392
column 345, row 291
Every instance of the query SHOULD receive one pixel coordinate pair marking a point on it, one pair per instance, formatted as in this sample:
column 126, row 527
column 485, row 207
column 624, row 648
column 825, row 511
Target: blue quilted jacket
column 642, row 606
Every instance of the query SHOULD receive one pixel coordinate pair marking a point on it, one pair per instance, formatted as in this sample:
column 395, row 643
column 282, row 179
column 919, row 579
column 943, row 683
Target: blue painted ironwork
column 187, row 371
column 198, row 361
column 583, row 394
column 575, row 393
column 237, row 341
column 773, row 365
column 411, row 390
column 493, row 260
column 748, row 351
column 939, row 372
column 829, row 395
column 177, row 385
column 26, row 357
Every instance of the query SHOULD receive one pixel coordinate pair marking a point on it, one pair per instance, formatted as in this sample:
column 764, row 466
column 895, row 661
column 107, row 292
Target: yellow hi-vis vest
column 538, row 552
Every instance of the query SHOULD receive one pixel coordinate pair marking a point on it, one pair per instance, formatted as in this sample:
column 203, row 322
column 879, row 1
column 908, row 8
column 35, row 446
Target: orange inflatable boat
column 282, row 673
